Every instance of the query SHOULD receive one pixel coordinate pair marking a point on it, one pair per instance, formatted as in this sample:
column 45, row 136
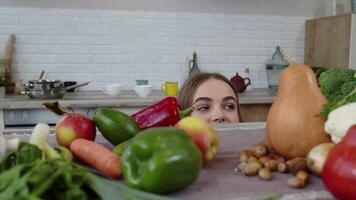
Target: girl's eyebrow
column 229, row 98
column 202, row 99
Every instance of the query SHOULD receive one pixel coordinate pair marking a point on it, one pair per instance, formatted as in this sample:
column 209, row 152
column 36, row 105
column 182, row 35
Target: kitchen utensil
column 41, row 75
column 240, row 83
column 193, row 65
column 48, row 89
column 43, row 84
column 9, row 84
column 55, row 93
column 77, row 85
column 170, row 88
column 70, row 83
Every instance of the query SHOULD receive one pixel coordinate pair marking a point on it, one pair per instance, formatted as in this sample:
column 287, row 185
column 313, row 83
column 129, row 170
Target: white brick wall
column 107, row 46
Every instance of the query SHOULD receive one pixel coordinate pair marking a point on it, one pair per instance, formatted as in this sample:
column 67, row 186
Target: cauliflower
column 340, row 120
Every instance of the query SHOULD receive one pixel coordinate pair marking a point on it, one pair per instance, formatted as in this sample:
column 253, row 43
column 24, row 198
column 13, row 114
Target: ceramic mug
column 112, row 90
column 170, row 88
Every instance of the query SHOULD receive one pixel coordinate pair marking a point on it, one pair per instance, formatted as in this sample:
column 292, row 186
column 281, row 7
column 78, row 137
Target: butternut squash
column 293, row 126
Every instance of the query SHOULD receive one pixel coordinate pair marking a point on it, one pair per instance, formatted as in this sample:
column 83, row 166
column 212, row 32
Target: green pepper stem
column 186, row 112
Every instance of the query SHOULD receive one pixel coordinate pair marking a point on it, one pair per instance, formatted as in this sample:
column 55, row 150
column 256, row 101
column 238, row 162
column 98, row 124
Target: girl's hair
column 190, row 86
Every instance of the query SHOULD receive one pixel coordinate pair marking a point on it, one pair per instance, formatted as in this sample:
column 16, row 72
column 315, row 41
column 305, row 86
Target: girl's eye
column 229, row 107
column 202, row 108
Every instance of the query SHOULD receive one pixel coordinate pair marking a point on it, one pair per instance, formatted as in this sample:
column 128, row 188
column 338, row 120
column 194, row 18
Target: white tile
column 56, row 49
column 18, row 29
column 105, row 46
column 9, row 20
column 180, row 23
column 75, row 59
column 110, row 59
column 36, row 59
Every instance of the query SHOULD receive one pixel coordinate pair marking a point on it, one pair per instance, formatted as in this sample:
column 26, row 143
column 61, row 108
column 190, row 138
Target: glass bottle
column 193, row 65
column 274, row 67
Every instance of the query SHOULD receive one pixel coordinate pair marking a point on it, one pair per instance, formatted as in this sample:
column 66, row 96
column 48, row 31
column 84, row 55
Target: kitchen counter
column 219, row 180
column 19, row 110
column 127, row 98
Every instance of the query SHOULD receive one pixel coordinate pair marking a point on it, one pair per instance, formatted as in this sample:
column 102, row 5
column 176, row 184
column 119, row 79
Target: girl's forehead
column 214, row 89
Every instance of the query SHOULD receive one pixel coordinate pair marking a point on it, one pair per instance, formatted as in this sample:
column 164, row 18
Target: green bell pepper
column 161, row 160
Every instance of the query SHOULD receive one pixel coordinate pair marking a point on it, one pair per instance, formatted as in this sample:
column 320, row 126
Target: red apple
column 72, row 126
column 202, row 134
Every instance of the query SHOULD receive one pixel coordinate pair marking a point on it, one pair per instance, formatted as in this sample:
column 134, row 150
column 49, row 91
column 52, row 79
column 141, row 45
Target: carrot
column 97, row 156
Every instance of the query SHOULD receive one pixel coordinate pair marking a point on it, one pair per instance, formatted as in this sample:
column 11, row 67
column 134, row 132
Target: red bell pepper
column 339, row 172
column 163, row 113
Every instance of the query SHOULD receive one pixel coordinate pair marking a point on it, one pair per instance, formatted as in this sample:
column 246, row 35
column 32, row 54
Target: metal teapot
column 240, row 83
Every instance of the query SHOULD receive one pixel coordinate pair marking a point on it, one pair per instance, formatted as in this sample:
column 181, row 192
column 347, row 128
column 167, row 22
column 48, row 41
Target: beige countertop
column 127, row 98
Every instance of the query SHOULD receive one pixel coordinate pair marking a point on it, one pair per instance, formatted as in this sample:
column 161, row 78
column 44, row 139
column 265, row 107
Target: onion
column 317, row 156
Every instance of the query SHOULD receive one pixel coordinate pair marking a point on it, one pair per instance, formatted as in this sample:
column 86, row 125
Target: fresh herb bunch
column 26, row 174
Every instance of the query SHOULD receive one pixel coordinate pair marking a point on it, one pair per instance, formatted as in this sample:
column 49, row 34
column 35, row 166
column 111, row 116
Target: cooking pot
column 43, row 84
column 48, row 89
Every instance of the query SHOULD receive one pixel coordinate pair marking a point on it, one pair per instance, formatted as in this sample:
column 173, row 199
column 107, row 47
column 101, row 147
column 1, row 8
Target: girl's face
column 215, row 102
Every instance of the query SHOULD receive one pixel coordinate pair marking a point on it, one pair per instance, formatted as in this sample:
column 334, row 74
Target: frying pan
column 48, row 89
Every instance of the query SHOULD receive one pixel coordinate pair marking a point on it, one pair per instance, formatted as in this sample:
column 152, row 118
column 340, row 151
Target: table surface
column 219, row 180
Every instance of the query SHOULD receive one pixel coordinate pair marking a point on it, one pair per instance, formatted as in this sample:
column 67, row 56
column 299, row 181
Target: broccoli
column 347, row 87
column 335, row 83
column 332, row 105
